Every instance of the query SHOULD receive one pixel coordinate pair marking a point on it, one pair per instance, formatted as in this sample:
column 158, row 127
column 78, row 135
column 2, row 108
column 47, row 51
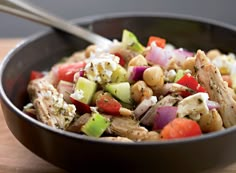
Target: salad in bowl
column 130, row 92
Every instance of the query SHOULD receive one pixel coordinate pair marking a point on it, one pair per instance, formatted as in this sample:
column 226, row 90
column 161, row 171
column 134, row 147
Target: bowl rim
column 89, row 20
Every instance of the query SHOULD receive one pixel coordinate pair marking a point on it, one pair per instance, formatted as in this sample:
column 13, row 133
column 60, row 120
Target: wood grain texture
column 15, row 158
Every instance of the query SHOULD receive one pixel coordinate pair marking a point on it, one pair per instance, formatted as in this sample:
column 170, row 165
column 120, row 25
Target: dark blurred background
column 221, row 10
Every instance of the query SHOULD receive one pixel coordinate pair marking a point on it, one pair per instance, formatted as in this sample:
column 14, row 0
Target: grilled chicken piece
column 210, row 78
column 124, row 128
column 77, row 124
column 174, row 88
column 49, row 104
column 127, row 127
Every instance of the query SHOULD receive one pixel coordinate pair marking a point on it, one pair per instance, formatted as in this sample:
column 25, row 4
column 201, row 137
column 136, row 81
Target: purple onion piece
column 136, row 73
column 183, row 53
column 81, row 73
column 164, row 115
column 212, row 104
column 143, row 107
column 65, row 88
column 158, row 56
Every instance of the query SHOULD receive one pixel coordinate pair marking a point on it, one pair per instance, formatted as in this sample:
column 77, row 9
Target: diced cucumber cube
column 131, row 41
column 96, row 125
column 120, row 90
column 87, row 89
column 119, row 75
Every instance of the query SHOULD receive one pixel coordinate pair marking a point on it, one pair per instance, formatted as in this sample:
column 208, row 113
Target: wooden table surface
column 14, row 157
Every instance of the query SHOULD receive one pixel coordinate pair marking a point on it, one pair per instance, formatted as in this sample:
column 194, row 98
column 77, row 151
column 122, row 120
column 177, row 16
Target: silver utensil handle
column 28, row 11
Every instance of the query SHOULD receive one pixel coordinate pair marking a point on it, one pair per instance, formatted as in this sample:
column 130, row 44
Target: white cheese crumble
column 224, row 63
column 170, row 75
column 193, row 106
column 78, row 94
column 153, row 100
column 101, row 66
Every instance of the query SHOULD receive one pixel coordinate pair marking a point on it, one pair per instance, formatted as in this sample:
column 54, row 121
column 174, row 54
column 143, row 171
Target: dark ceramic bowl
column 78, row 153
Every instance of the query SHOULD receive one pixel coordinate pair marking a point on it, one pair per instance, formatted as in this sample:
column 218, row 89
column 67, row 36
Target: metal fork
column 31, row 12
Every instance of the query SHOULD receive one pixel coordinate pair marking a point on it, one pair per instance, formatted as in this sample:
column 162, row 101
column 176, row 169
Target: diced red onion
column 55, row 75
column 181, row 54
column 136, row 73
column 163, row 116
column 173, row 88
column 212, row 104
column 144, row 106
column 81, row 73
column 65, row 88
column 78, row 74
column 81, row 108
column 159, row 56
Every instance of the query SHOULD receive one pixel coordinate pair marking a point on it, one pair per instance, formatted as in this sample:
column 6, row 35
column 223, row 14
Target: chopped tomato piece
column 36, row 74
column 122, row 60
column 66, row 71
column 81, row 108
column 107, row 104
column 159, row 41
column 189, row 81
column 181, row 128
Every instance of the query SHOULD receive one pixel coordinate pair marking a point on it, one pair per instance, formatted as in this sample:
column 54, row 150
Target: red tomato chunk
column 35, row 75
column 108, row 104
column 181, row 128
column 66, row 72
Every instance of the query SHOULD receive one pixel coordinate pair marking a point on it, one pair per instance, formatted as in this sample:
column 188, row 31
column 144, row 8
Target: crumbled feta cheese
column 170, row 75
column 224, row 63
column 78, row 94
column 153, row 100
column 94, row 109
column 101, row 66
column 193, row 106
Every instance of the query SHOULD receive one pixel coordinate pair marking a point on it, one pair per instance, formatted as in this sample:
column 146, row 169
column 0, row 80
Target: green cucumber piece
column 119, row 75
column 120, row 91
column 131, row 41
column 179, row 75
column 87, row 87
column 96, row 125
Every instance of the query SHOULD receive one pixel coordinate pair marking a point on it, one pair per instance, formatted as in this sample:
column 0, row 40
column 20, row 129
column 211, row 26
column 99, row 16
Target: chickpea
column 152, row 136
column 138, row 61
column 189, row 63
column 89, row 49
column 211, row 122
column 96, row 96
column 211, row 54
column 172, row 65
column 140, row 91
column 126, row 112
column 154, row 77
